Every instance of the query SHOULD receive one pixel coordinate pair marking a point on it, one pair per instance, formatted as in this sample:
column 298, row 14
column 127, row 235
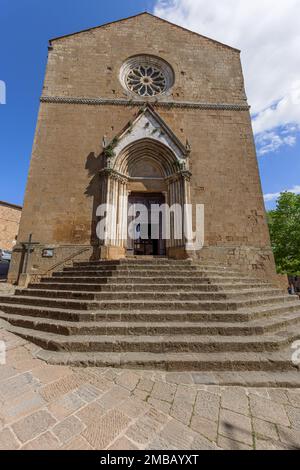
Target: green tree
column 284, row 224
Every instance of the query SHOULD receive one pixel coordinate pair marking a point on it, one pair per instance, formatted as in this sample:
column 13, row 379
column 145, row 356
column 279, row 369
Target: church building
column 137, row 116
column 142, row 111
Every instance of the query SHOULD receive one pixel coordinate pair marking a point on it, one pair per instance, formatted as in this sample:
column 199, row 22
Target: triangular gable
column 152, row 16
column 149, row 125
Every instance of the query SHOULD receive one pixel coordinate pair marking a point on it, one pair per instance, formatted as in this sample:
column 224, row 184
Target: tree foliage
column 284, row 225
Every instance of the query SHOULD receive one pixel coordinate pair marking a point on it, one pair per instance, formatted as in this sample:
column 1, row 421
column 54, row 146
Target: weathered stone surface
column 290, row 437
column 8, row 440
column 16, row 386
column 54, row 390
column 174, row 435
column 68, row 429
column 141, row 394
column 279, row 396
column 179, row 378
column 33, row 425
column 101, row 433
column 78, row 443
column 265, row 409
column 262, row 444
column 18, row 407
column 160, row 405
column 264, row 429
column 236, row 427
column 51, row 373
column 145, row 384
column 113, row 397
column 235, row 399
column 90, row 413
column 66, row 405
column 183, row 404
column 163, row 391
column 228, row 444
column 88, row 393
column 294, row 397
column 136, row 423
column 128, row 380
column 201, row 443
column 207, row 405
column 146, row 427
column 205, row 427
column 46, row 441
column 133, row 407
column 7, row 372
column 122, row 444
column 294, row 417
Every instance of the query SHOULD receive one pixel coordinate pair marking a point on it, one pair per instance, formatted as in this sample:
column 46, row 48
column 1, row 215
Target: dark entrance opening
column 144, row 244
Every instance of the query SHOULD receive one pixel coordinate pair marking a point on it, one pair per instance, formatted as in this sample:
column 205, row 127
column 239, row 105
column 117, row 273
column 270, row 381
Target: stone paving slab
column 57, row 407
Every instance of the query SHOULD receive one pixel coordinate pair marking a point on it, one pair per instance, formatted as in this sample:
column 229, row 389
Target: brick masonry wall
column 9, row 225
column 63, row 185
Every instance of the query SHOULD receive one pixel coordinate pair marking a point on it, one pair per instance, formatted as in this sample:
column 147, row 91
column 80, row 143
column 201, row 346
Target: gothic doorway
column 148, row 233
column 146, row 164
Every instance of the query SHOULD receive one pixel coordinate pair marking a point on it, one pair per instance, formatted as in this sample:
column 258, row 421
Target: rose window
column 146, row 81
column 146, row 76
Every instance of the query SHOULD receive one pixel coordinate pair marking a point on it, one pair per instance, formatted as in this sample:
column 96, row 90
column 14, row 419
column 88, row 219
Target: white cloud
column 268, row 34
column 271, row 141
column 286, row 111
column 273, row 196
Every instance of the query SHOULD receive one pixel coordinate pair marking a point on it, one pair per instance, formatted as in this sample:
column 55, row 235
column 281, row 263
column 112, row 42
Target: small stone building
column 10, row 215
column 142, row 111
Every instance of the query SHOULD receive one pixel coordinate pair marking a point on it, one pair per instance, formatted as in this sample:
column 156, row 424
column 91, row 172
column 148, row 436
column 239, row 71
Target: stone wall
column 10, row 215
column 83, row 100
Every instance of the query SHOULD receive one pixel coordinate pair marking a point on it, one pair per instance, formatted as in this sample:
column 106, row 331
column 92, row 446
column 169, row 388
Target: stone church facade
column 142, row 111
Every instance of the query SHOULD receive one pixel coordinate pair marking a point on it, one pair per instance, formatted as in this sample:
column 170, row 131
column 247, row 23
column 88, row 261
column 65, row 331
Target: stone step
column 159, row 344
column 87, row 287
column 147, row 267
column 58, row 303
column 157, row 313
column 62, row 327
column 146, row 262
column 122, row 295
column 71, row 271
column 143, row 261
column 250, row 370
column 149, row 280
column 142, row 304
column 176, row 295
column 242, row 315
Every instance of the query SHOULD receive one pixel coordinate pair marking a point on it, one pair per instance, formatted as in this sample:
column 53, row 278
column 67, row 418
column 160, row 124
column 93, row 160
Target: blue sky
column 25, row 28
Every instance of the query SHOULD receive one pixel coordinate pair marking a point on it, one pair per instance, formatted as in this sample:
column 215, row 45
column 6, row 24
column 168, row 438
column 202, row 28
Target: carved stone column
column 114, row 189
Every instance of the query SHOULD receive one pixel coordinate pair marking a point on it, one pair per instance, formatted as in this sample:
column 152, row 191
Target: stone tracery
column 146, row 75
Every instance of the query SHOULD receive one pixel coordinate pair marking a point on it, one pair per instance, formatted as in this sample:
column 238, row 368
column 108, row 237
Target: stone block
column 236, row 427
column 268, row 410
column 30, row 427
column 68, row 429
column 102, row 433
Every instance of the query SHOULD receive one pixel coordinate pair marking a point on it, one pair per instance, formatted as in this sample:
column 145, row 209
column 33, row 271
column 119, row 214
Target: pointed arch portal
column 148, row 165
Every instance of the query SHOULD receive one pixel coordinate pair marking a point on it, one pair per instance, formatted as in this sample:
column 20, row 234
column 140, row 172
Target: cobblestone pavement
column 57, row 407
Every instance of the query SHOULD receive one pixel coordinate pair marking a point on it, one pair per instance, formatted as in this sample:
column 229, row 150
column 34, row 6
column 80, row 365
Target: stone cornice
column 162, row 104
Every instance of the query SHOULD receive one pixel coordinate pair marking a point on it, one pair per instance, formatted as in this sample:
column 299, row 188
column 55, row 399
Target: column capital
column 113, row 174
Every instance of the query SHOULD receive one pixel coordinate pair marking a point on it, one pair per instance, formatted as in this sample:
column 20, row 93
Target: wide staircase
column 160, row 314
